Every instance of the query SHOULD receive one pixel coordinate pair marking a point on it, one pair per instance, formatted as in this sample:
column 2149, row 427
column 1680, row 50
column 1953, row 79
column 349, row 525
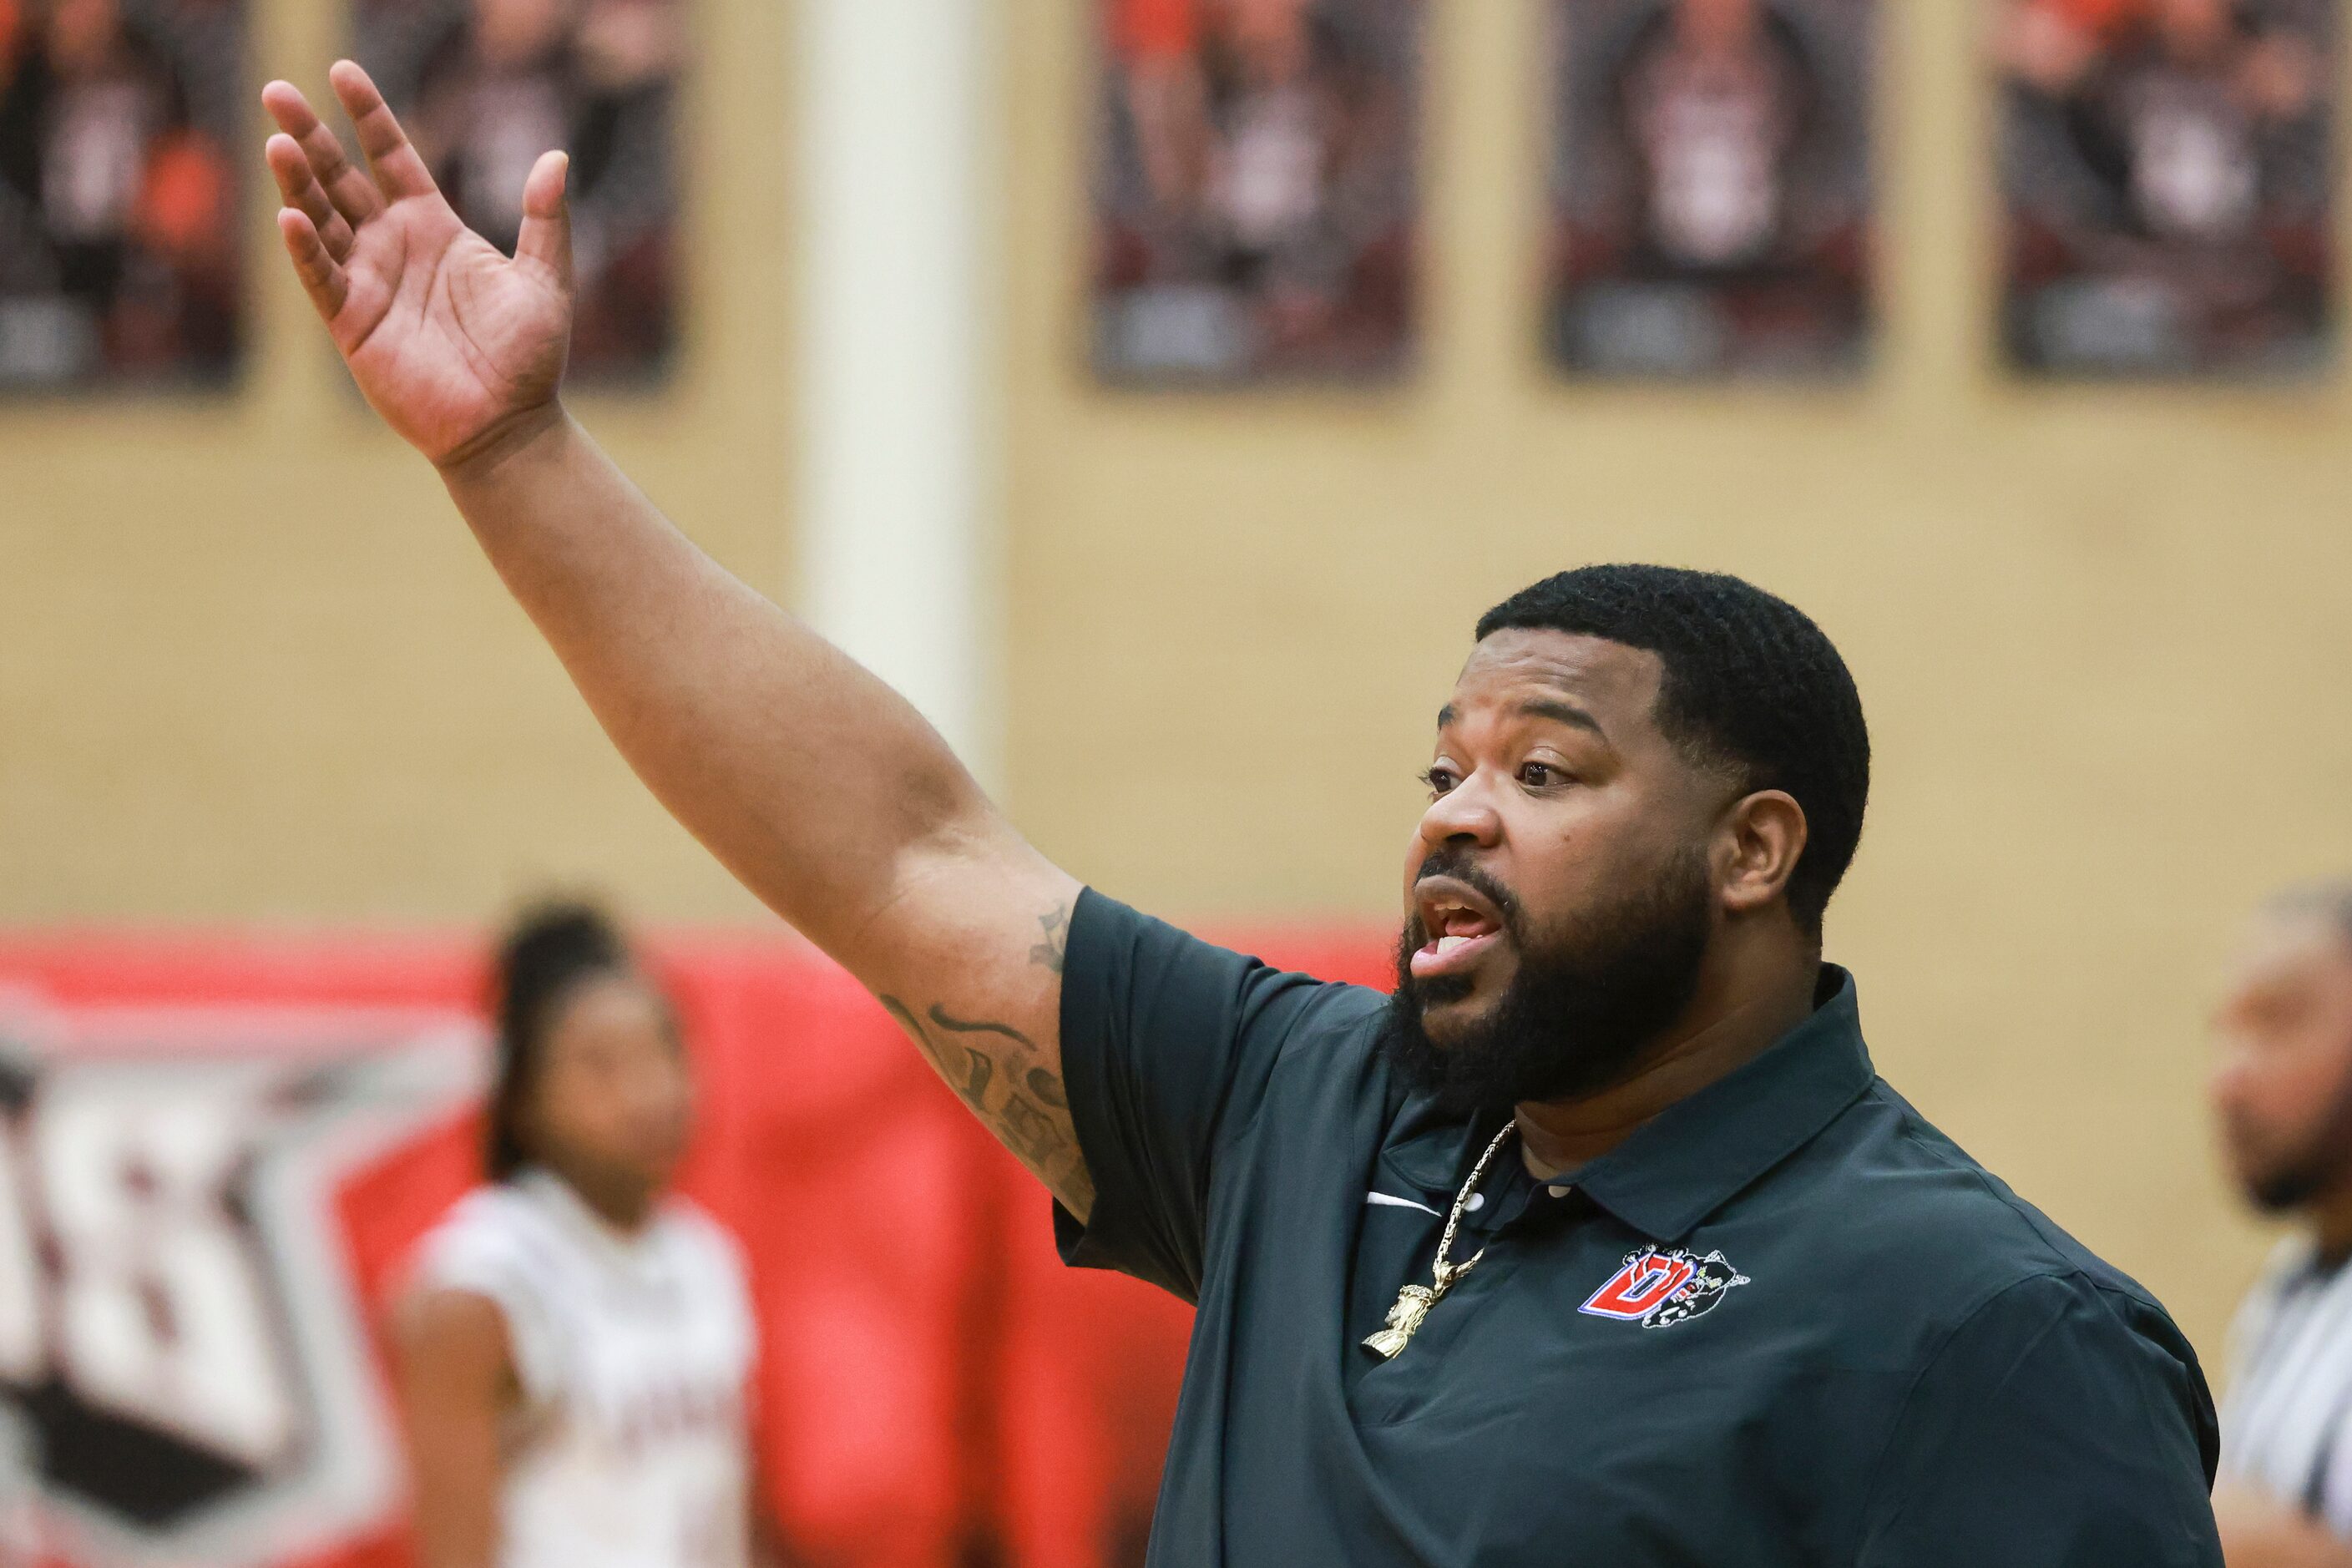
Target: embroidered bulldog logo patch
column 1658, row 1290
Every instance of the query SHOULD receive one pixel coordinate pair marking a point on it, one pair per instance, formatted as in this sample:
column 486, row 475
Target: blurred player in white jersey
column 575, row 1346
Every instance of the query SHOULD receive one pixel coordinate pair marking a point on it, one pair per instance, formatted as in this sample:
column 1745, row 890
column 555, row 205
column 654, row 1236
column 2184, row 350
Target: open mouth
column 1459, row 925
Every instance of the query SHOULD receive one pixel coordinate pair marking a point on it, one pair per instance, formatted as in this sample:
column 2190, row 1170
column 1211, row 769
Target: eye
column 1441, row 781
column 1540, row 776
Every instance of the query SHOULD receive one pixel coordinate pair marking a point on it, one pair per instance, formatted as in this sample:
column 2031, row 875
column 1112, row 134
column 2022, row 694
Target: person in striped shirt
column 2281, row 1091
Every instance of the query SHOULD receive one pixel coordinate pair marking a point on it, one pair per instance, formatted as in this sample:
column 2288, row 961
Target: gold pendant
column 1413, row 1304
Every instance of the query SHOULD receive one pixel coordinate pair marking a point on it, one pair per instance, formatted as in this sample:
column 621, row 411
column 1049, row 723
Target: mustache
column 1455, row 861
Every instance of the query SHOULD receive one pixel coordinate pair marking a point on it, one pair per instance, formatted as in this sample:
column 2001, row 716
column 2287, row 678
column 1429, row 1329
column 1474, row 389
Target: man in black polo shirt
column 1600, row 1243
column 1688, row 1282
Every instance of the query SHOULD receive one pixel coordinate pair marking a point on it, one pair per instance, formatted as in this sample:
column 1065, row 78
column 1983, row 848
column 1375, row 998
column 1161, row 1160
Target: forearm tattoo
column 1000, row 1073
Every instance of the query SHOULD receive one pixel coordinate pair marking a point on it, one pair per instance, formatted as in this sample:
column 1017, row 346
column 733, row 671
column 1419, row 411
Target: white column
column 897, row 467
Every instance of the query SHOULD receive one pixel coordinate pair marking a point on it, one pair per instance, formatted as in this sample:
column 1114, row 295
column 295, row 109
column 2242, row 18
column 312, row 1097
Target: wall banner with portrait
column 2167, row 169
column 1710, row 187
column 1256, row 202
column 487, row 86
column 120, row 256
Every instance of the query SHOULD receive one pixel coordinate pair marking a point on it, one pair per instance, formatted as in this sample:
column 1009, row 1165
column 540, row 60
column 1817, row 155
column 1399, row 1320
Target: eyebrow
column 1550, row 708
column 1562, row 713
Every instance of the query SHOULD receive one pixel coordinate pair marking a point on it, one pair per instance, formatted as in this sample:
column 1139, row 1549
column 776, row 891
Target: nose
column 1464, row 813
column 654, row 1087
column 2225, row 1081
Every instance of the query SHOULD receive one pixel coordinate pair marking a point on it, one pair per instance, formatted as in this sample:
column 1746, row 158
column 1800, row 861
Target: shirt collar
column 1687, row 1160
column 1693, row 1156
column 629, row 1248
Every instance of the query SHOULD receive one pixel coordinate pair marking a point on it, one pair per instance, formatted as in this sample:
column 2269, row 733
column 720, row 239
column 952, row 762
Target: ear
column 1762, row 837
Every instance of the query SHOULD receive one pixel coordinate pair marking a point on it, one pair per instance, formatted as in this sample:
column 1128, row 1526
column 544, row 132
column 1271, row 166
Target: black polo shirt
column 1786, row 1321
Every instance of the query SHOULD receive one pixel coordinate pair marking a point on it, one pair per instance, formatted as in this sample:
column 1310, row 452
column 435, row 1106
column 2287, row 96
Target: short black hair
column 2329, row 900
column 551, row 950
column 1751, row 684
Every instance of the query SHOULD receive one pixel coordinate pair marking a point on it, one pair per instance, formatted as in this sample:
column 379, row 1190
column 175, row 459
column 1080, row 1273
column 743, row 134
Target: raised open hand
column 451, row 342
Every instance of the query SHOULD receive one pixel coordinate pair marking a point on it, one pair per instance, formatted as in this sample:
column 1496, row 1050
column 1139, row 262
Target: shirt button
column 1559, row 1191
column 1477, row 1201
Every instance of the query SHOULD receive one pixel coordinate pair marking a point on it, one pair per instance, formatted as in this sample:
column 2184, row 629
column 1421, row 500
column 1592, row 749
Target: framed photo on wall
column 2168, row 185
column 487, row 86
column 121, row 252
column 1710, row 187
column 1256, row 205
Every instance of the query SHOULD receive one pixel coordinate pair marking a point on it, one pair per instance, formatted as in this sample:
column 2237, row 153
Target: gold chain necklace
column 1414, row 1302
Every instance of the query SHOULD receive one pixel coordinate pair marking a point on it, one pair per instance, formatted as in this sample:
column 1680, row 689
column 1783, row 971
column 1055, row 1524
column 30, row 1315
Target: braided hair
column 552, row 950
column 1751, row 686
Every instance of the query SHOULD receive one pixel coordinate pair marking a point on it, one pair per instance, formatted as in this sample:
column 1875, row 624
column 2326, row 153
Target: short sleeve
column 467, row 1255
column 2062, row 1426
column 1167, row 1043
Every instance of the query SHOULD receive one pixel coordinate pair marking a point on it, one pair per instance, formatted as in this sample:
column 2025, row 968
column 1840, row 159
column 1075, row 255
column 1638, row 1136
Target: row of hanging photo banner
column 2167, row 172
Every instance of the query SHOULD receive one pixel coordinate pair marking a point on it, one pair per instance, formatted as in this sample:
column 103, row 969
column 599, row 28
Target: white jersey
column 634, row 1352
column 2286, row 1427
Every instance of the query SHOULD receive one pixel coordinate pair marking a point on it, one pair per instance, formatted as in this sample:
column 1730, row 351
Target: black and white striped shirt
column 2286, row 1427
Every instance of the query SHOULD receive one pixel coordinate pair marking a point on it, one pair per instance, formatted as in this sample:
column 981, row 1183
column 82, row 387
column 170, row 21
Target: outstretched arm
column 814, row 782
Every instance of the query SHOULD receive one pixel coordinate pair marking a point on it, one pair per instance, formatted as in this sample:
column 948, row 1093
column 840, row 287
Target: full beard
column 2317, row 1170
column 1589, row 994
column 2287, row 1189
